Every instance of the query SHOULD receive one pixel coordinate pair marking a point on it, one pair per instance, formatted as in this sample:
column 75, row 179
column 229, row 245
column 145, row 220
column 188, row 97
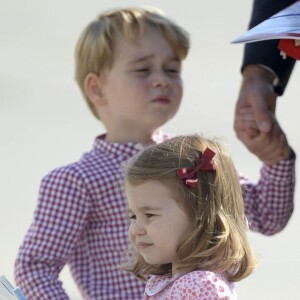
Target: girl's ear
column 93, row 89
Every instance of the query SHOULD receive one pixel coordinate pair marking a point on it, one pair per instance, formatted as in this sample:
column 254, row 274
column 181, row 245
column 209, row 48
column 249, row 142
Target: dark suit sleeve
column 267, row 52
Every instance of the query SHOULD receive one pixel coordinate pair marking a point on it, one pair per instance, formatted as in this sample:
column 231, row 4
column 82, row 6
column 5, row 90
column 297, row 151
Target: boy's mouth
column 161, row 99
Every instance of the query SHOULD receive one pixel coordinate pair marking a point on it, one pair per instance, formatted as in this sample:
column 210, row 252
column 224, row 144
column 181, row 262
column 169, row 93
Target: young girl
column 187, row 222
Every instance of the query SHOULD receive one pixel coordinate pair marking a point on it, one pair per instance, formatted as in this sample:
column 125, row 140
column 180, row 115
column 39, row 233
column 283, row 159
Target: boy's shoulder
column 94, row 164
column 84, row 168
column 102, row 161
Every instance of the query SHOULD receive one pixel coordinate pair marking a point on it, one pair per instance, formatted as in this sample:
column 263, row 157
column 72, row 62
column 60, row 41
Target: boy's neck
column 134, row 137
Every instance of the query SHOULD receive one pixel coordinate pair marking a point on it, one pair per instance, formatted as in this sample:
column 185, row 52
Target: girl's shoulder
column 194, row 285
column 199, row 284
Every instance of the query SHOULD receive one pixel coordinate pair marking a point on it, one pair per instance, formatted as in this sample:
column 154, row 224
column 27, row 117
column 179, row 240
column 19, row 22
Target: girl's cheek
column 131, row 236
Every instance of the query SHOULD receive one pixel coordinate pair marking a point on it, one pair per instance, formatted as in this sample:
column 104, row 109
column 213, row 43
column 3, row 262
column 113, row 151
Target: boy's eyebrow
column 141, row 58
column 146, row 57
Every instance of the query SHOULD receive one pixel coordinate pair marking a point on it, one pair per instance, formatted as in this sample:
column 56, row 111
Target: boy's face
column 142, row 90
column 157, row 223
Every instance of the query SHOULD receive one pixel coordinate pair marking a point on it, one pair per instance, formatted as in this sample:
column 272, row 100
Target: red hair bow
column 189, row 176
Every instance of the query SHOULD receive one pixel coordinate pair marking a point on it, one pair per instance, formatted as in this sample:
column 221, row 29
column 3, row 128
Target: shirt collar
column 158, row 283
column 124, row 150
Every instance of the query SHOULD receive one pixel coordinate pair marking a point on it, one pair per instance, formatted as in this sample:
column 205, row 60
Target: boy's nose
column 160, row 80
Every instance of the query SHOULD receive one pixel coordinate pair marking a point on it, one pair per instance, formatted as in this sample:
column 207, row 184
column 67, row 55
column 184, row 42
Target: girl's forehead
column 153, row 193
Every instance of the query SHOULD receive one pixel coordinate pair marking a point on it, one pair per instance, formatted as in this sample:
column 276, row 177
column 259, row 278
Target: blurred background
column 45, row 123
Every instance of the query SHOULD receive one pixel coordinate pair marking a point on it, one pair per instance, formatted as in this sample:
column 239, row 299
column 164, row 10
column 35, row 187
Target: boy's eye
column 173, row 71
column 142, row 70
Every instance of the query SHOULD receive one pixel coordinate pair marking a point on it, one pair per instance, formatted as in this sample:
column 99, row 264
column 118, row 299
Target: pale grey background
column 44, row 122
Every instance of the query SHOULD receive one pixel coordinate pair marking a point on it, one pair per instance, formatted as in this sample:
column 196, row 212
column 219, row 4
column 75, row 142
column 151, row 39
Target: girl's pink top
column 195, row 285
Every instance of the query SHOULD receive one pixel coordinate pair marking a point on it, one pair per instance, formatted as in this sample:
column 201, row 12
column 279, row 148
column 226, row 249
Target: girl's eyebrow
column 129, row 211
column 144, row 208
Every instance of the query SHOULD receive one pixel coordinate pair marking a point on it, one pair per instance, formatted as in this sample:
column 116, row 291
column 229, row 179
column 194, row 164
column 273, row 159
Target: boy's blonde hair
column 95, row 48
column 218, row 241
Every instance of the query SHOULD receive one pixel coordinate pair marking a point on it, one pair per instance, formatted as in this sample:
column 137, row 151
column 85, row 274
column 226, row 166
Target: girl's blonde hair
column 94, row 51
column 218, row 241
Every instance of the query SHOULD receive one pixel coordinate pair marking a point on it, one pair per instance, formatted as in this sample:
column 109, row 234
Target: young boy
column 128, row 66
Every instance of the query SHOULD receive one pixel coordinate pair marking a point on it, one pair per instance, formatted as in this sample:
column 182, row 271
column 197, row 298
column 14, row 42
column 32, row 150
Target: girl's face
column 157, row 223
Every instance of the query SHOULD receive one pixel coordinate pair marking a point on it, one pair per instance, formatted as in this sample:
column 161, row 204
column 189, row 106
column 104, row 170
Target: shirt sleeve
column 269, row 203
column 266, row 52
column 58, row 222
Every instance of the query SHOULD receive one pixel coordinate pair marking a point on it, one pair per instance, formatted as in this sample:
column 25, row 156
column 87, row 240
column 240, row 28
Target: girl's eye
column 132, row 217
column 149, row 215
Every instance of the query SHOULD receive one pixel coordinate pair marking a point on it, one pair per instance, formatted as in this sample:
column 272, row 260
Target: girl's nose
column 137, row 228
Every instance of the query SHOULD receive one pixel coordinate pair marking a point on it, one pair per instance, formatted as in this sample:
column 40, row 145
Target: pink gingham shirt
column 80, row 220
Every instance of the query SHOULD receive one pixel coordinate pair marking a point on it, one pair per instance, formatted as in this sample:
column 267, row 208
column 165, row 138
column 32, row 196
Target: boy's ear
column 93, row 89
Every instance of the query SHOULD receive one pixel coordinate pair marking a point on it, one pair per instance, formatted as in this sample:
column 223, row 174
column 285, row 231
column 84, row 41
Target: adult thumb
column 263, row 117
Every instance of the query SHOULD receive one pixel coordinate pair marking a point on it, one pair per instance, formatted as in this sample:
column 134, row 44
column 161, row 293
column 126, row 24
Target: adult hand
column 258, row 94
column 255, row 123
column 270, row 147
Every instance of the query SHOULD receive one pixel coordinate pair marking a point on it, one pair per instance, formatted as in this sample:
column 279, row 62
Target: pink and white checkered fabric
column 269, row 203
column 80, row 220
